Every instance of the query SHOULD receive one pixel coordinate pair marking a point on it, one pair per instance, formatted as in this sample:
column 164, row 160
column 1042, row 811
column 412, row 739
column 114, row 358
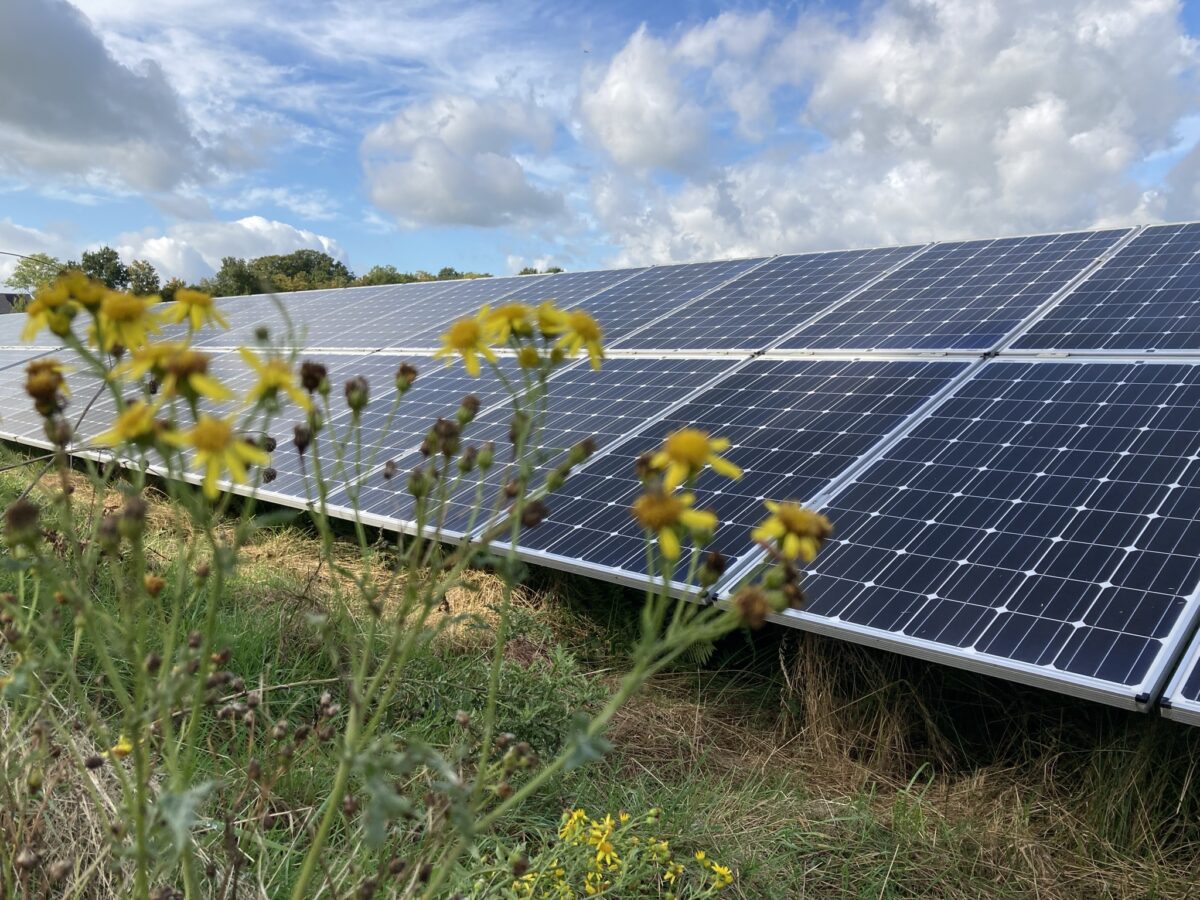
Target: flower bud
column 313, row 377
column 21, row 524
column 357, row 393
column 301, row 437
column 487, row 454
column 467, row 410
column 405, row 376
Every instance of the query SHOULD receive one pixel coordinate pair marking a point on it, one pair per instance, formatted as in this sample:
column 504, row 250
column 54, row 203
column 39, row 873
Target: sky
column 492, row 136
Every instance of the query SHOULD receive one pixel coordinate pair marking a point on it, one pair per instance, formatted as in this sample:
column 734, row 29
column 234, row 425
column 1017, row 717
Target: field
column 809, row 766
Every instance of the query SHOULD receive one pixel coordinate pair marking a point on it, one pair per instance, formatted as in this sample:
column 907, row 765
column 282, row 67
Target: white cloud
column 71, row 109
column 451, row 161
column 637, row 109
column 21, row 239
column 933, row 118
column 308, row 203
column 193, row 250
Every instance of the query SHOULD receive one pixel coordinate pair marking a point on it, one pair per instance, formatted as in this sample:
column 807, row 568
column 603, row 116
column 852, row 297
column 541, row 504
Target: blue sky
column 494, row 135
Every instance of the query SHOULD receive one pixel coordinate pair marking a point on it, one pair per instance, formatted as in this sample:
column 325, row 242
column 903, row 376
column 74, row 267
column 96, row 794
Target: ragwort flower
column 576, row 330
column 468, row 338
column 510, row 319
column 797, row 533
column 124, row 320
column 668, row 515
column 136, row 424
column 686, row 451
column 194, row 307
column 217, row 450
column 274, row 376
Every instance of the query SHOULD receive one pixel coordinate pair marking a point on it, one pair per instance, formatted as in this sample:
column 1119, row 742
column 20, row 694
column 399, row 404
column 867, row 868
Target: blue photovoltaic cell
column 655, row 292
column 794, row 425
column 1045, row 516
column 957, row 296
column 764, row 304
column 1145, row 297
column 605, row 406
column 366, row 317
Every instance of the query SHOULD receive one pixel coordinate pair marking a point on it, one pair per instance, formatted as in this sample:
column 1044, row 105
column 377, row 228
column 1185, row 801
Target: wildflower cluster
column 540, row 335
column 618, row 856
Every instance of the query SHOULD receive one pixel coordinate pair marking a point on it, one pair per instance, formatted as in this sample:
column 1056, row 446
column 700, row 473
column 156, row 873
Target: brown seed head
column 312, row 376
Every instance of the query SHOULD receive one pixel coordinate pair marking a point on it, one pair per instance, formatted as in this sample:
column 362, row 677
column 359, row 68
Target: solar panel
column 11, row 326
column 1040, row 524
column 605, row 406
column 1181, row 699
column 655, row 292
column 368, row 317
column 964, row 295
column 794, row 425
column 767, row 302
column 1145, row 297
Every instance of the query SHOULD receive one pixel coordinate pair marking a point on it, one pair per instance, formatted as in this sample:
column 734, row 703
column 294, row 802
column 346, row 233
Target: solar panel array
column 1004, row 432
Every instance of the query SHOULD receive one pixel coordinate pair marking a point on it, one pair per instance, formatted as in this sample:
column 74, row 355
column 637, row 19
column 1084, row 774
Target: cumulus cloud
column 193, row 250
column 22, row 239
column 70, row 108
column 637, row 109
column 933, row 118
column 452, row 161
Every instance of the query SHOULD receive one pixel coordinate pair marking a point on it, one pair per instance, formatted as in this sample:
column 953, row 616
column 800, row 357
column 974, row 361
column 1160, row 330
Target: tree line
column 300, row 270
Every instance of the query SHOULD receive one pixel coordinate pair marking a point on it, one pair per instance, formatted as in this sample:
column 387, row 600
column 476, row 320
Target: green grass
column 812, row 767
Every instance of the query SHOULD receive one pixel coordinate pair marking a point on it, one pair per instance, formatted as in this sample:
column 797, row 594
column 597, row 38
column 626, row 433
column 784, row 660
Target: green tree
column 168, row 290
column 530, row 270
column 385, row 275
column 235, row 277
column 143, row 279
column 34, row 271
column 105, row 265
column 302, row 270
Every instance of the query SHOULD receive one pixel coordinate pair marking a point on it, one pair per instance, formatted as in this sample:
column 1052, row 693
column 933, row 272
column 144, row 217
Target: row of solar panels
column 955, row 296
column 1033, row 518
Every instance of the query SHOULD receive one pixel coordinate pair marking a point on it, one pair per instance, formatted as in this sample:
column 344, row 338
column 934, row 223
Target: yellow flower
column 797, row 532
column 623, row 817
column 722, row 876
column 686, row 451
column 50, row 308
column 468, row 338
column 274, row 375
column 122, row 748
column 606, row 854
column 136, row 424
column 218, row 449
column 578, row 331
column 674, row 870
column 180, row 370
column 196, row 307
column 511, row 319
column 124, row 320
column 667, row 514
column 573, row 823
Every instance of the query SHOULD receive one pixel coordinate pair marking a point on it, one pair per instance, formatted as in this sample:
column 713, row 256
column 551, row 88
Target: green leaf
column 584, row 748
column 181, row 812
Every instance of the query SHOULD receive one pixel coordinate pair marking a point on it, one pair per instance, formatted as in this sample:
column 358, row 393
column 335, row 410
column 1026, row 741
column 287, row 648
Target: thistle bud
column 713, row 568
column 466, row 462
column 21, row 524
column 153, row 584
column 357, row 393
column 301, row 437
column 405, row 376
column 467, row 410
column 581, row 451
column 262, row 334
column 487, row 454
column 268, row 475
column 534, row 513
column 389, row 469
column 108, row 534
column 418, row 483
column 313, row 377
column 752, row 605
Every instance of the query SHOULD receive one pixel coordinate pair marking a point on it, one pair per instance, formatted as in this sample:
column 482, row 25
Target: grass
column 813, row 767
